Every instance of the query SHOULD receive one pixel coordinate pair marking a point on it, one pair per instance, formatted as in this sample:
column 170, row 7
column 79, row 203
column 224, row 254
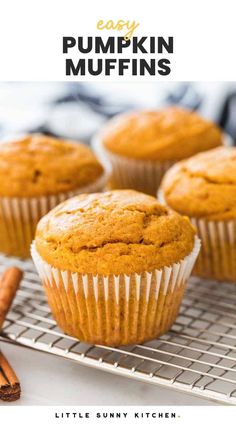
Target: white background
column 31, row 50
column 31, row 35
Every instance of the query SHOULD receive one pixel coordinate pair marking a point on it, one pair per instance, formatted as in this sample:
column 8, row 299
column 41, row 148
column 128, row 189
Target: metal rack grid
column 198, row 355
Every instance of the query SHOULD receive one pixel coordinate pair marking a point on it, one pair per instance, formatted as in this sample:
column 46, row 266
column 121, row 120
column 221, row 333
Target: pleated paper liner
column 115, row 309
column 19, row 217
column 217, row 257
column 141, row 175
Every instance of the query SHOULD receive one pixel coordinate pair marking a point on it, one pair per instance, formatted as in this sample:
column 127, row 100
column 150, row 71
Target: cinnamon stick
column 9, row 384
column 9, row 283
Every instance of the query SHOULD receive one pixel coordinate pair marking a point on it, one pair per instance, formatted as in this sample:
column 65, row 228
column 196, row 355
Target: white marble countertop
column 50, row 380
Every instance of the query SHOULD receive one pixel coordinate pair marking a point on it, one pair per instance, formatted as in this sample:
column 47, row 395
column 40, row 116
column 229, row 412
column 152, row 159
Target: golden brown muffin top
column 168, row 134
column 120, row 231
column 36, row 165
column 204, row 185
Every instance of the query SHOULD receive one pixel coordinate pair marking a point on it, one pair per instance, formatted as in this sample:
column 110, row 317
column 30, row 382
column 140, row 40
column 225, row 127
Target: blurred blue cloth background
column 78, row 110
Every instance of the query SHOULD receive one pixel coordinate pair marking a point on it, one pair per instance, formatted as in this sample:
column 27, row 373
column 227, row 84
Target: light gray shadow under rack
column 198, row 355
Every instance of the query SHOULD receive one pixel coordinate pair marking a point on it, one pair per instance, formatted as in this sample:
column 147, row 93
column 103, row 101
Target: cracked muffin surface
column 159, row 135
column 121, row 231
column 204, row 185
column 36, row 165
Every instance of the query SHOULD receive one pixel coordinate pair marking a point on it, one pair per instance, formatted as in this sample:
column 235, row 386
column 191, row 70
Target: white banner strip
column 117, row 415
column 204, row 33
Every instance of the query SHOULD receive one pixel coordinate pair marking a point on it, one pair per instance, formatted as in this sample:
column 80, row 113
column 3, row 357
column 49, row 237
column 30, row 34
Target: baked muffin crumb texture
column 169, row 134
column 37, row 165
column 204, row 185
column 121, row 231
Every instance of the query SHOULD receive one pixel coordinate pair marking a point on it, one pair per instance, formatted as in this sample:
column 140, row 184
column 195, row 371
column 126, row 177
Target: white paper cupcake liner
column 228, row 140
column 19, row 216
column 141, row 175
column 115, row 309
column 217, row 258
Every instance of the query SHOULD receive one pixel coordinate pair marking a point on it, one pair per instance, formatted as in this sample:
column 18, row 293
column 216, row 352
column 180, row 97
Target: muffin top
column 168, row 134
column 36, row 165
column 120, row 231
column 204, row 185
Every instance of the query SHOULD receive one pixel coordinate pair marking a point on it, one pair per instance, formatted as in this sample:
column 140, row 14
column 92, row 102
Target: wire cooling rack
column 198, row 355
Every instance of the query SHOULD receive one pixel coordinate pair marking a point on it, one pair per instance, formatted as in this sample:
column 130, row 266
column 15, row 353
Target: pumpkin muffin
column 142, row 145
column 114, row 265
column 204, row 188
column 37, row 172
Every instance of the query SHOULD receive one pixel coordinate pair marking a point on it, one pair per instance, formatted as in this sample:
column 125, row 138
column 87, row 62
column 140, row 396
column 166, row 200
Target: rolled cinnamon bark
column 9, row 283
column 9, row 384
